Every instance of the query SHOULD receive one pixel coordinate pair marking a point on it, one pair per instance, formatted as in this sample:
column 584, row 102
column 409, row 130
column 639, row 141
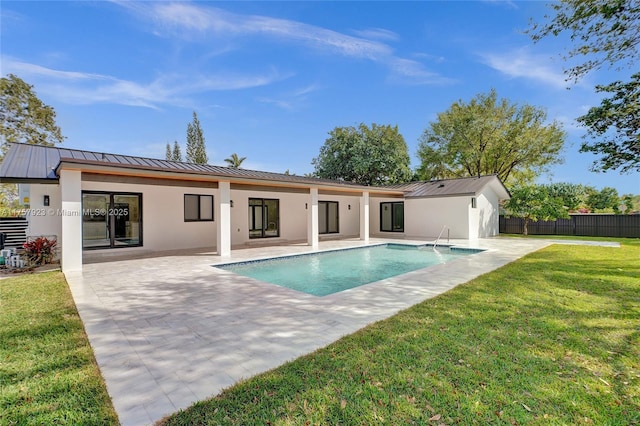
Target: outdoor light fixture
column 231, row 203
column 45, row 202
column 306, row 206
column 349, row 206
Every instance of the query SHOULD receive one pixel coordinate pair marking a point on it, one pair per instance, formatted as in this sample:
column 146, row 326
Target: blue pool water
column 330, row 272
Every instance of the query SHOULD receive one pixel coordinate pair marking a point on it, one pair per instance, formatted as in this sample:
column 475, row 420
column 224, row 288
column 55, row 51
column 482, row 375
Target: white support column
column 312, row 219
column 71, row 215
column 364, row 217
column 223, row 230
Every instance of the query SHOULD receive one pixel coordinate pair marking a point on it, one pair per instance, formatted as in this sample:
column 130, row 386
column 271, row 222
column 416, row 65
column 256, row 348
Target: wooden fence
column 594, row 225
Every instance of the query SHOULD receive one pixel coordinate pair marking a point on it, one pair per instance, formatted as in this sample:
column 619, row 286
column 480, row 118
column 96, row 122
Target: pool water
column 330, row 272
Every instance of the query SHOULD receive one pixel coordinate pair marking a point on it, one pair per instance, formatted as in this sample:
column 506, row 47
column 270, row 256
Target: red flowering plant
column 40, row 250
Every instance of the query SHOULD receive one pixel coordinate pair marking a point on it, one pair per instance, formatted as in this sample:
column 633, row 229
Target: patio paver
column 168, row 331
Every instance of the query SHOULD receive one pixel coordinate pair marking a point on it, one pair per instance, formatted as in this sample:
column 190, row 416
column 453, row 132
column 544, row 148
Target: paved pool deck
column 170, row 330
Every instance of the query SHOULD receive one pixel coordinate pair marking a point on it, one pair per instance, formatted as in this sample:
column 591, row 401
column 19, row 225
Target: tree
column 573, row 196
column 175, row 154
column 605, row 199
column 234, row 161
column 375, row 155
column 25, row 118
column 196, row 150
column 604, row 33
column 614, row 127
column 490, row 136
column 533, row 202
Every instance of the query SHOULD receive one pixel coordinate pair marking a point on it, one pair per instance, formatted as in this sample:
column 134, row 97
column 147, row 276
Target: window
column 392, row 217
column 198, row 208
column 328, row 219
column 264, row 218
column 474, row 203
column 111, row 219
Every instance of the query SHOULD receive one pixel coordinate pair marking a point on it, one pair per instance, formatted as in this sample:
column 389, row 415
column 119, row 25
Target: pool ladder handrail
column 435, row 243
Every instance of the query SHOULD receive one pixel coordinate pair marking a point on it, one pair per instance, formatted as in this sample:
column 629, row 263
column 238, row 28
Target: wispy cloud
column 521, row 63
column 189, row 21
column 377, row 33
column 167, row 89
column 291, row 100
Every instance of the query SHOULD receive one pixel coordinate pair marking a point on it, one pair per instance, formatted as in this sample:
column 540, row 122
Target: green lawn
column 553, row 338
column 48, row 374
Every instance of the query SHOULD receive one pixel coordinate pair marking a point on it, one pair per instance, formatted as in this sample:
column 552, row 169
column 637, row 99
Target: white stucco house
column 99, row 202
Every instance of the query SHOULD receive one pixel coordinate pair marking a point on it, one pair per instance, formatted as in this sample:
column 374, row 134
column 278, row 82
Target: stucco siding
column 426, row 217
column 163, row 225
column 488, row 219
column 49, row 222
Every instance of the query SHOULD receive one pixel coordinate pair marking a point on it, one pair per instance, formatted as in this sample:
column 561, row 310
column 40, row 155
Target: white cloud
column 521, row 63
column 377, row 33
column 168, row 89
column 189, row 21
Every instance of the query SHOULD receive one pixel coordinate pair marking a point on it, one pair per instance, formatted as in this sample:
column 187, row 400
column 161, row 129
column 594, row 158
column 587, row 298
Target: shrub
column 40, row 251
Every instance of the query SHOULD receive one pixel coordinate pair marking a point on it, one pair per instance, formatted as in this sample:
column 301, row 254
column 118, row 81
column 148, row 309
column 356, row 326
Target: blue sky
column 269, row 80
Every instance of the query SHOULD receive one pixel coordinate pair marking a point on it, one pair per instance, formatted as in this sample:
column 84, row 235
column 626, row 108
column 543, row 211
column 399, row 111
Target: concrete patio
column 171, row 330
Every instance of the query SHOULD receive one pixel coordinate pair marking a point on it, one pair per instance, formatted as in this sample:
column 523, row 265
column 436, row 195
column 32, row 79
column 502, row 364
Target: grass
column 553, row 338
column 48, row 373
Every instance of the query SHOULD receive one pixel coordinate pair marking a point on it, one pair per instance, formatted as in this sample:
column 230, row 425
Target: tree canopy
column 490, row 136
column 234, row 161
column 196, row 149
column 25, row 118
column 375, row 155
column 614, row 127
column 603, row 33
column 534, row 202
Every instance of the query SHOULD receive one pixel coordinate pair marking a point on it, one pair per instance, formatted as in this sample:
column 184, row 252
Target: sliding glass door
column 111, row 219
column 264, row 218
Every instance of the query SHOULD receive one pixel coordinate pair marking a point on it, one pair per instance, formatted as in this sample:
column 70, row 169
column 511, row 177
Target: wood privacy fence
column 593, row 225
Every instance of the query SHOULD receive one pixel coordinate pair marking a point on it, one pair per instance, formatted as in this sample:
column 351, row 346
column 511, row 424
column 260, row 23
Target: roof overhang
column 203, row 176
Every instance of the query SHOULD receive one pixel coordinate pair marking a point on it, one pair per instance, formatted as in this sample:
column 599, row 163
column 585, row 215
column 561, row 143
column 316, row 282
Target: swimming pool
column 330, row 272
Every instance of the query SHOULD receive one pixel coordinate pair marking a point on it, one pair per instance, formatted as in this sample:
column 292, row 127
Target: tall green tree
column 234, row 161
column 196, row 149
column 168, row 154
column 603, row 34
column 174, row 154
column 177, row 153
column 25, row 118
column 488, row 135
column 532, row 203
column 375, row 155
column 614, row 127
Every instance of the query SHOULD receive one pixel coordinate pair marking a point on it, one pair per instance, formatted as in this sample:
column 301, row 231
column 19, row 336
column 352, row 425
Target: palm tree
column 234, row 161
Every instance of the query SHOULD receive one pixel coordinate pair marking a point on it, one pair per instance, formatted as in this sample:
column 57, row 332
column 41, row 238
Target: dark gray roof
column 36, row 163
column 451, row 187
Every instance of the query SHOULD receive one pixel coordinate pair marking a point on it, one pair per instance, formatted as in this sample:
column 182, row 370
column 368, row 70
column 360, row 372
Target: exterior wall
column 488, row 220
column 163, row 225
column 374, row 218
column 349, row 217
column 49, row 223
column 426, row 217
column 293, row 215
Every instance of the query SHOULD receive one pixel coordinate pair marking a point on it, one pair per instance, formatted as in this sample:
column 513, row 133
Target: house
column 93, row 201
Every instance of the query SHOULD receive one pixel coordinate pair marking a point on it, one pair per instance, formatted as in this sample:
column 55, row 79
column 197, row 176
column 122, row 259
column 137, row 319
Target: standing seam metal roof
column 26, row 162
